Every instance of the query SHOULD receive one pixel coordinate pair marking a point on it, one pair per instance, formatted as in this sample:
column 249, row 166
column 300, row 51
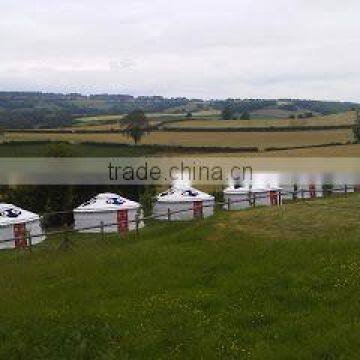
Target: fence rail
column 250, row 199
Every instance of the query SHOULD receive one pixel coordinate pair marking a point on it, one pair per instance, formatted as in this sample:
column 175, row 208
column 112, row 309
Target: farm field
column 86, row 119
column 105, row 122
column 220, row 288
column 154, row 117
column 261, row 140
column 273, row 112
column 326, row 151
column 338, row 119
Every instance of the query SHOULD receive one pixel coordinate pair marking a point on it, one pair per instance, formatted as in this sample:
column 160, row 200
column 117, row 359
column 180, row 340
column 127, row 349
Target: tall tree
column 356, row 128
column 137, row 125
column 227, row 113
column 2, row 135
column 245, row 116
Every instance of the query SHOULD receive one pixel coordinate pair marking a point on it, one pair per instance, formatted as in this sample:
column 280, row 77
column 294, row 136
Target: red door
column 20, row 235
column 274, row 198
column 122, row 221
column 312, row 191
column 198, row 209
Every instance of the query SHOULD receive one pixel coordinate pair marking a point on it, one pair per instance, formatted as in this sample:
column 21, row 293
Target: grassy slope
column 263, row 283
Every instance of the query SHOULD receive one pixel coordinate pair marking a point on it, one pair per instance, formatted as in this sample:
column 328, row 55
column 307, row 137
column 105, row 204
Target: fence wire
column 251, row 200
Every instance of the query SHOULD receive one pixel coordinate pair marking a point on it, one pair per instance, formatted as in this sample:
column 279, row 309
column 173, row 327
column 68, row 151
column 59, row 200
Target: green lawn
column 264, row 283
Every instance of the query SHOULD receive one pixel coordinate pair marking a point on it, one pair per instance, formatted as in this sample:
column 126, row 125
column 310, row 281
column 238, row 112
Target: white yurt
column 107, row 209
column 237, row 197
column 189, row 202
column 17, row 224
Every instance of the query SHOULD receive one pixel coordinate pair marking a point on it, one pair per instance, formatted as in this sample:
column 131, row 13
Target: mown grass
column 264, row 283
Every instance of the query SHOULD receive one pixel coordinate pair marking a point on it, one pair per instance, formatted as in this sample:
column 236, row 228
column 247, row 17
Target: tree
column 59, row 150
column 137, row 125
column 245, row 116
column 227, row 113
column 2, row 135
column 356, row 127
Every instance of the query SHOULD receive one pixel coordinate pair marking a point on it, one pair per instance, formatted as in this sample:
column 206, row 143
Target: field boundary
column 160, row 128
column 180, row 148
column 257, row 129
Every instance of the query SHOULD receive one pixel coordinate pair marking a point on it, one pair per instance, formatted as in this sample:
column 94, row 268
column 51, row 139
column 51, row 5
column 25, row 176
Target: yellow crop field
column 261, row 140
column 352, row 150
column 86, row 119
column 338, row 119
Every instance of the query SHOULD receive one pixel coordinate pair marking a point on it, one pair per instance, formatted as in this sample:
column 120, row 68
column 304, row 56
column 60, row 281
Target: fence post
column 28, row 235
column 65, row 243
column 229, row 204
column 169, row 214
column 137, row 223
column 102, row 230
column 346, row 189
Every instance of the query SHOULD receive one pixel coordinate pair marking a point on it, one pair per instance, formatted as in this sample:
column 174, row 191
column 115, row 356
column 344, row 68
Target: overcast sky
column 194, row 48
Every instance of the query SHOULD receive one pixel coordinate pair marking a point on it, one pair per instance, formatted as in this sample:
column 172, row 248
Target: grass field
column 338, row 119
column 222, row 288
column 203, row 139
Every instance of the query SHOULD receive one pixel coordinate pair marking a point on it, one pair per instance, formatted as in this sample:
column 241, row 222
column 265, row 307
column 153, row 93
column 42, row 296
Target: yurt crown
column 11, row 213
column 89, row 202
column 183, row 192
column 115, row 201
column 190, row 192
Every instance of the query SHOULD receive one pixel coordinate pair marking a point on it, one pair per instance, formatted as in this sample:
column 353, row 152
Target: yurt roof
column 233, row 190
column 107, row 202
column 11, row 214
column 237, row 190
column 275, row 188
column 183, row 194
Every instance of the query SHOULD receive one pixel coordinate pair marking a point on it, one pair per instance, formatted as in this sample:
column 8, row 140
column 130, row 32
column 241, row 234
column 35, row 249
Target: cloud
column 237, row 48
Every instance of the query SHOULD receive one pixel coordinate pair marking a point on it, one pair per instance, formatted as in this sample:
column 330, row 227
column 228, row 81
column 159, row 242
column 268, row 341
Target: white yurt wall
column 108, row 209
column 16, row 223
column 261, row 197
column 237, row 198
column 287, row 192
column 187, row 203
